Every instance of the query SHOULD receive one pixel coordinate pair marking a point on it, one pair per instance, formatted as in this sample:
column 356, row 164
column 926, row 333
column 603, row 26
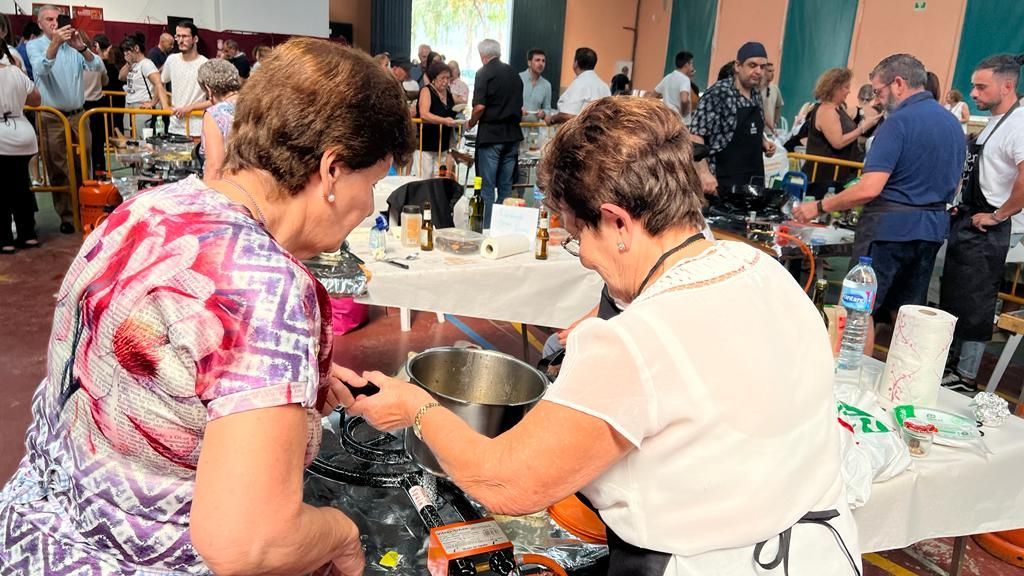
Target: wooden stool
column 1013, row 322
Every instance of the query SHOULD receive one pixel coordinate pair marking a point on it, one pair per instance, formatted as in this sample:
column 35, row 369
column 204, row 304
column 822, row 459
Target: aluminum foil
column 388, row 521
column 990, row 409
column 339, row 272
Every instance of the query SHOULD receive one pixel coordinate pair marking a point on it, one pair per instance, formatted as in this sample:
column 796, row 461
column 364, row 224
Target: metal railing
column 797, row 158
column 132, row 113
column 71, row 188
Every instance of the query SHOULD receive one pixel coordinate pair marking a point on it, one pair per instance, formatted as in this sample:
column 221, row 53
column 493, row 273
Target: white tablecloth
column 951, row 492
column 554, row 293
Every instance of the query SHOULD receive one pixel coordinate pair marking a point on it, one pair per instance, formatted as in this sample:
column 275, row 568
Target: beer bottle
column 541, row 250
column 476, row 207
column 426, row 230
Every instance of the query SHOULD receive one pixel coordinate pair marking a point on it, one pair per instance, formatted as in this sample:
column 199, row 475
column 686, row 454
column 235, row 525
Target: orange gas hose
column 544, row 561
column 807, row 252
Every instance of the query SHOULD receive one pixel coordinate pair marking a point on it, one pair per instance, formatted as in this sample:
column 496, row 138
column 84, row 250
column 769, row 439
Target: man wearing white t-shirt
column 586, row 88
column 992, row 191
column 182, row 71
column 674, row 89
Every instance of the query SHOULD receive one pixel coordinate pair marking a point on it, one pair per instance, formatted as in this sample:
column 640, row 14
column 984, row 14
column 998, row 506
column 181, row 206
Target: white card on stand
column 507, row 220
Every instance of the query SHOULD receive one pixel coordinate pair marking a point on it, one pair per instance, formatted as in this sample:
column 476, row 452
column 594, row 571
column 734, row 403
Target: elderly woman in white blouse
column 699, row 422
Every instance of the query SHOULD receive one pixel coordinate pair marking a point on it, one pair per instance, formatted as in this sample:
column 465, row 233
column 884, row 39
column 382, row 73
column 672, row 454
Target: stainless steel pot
column 491, row 391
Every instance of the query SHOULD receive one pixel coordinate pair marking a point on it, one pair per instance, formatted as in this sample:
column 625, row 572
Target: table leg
column 526, row 344
column 1004, row 360
column 959, row 548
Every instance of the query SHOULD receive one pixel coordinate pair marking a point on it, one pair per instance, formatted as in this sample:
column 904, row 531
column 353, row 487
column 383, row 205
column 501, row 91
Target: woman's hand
column 450, row 122
column 338, row 393
column 394, row 407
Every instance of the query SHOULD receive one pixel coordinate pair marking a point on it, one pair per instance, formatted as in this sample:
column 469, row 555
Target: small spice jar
column 918, row 435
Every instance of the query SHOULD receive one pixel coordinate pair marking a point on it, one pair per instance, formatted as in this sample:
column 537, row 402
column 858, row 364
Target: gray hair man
column 498, row 109
column 911, row 174
column 234, row 55
column 59, row 58
column 981, row 232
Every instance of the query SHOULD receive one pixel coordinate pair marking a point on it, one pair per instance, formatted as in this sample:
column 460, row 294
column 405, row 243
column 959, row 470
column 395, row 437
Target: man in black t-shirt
column 235, row 56
column 498, row 108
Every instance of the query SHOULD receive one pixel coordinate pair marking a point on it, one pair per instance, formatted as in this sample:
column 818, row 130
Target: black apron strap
column 821, row 518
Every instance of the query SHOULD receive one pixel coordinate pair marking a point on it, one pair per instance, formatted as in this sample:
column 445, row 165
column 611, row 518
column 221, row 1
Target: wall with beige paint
column 598, row 24
column 357, row 12
column 741, row 21
column 887, row 27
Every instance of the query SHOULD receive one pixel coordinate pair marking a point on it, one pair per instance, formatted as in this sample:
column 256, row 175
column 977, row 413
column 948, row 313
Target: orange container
column 1008, row 546
column 578, row 520
column 95, row 201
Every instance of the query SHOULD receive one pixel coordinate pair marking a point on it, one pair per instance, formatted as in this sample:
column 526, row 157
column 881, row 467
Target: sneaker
column 952, row 380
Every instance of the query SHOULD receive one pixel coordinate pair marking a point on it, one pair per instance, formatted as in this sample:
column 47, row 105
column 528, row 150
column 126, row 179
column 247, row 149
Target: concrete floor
column 29, row 280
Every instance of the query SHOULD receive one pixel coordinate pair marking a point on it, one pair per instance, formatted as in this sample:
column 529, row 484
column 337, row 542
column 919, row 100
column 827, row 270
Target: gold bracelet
column 417, row 422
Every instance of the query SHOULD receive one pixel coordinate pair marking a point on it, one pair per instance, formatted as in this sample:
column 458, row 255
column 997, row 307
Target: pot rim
column 440, row 349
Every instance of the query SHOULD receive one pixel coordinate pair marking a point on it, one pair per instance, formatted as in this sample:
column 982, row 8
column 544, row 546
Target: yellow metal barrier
column 71, row 188
column 132, row 113
column 419, row 122
column 795, row 158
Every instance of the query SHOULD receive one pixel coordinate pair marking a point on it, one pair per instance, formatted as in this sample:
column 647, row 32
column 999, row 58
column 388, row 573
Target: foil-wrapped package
column 340, row 272
column 990, row 409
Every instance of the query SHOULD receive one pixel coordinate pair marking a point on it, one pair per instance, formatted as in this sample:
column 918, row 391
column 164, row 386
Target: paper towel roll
column 917, row 356
column 502, row 246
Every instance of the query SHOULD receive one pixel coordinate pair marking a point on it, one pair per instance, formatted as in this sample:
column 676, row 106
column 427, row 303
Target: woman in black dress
column 435, row 109
column 832, row 133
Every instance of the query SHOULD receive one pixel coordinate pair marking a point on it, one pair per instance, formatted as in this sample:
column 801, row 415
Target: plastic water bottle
column 858, row 297
column 536, row 199
column 460, row 213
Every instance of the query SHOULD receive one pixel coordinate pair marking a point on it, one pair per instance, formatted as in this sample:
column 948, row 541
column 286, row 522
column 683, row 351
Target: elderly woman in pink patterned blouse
column 190, row 358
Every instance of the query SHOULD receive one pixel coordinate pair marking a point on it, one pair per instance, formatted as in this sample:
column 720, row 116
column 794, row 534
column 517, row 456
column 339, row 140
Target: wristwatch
column 84, row 48
column 995, row 215
column 821, row 207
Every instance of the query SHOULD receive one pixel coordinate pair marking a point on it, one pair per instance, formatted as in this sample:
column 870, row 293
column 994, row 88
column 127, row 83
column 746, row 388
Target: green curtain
column 817, row 37
column 539, row 24
column 391, row 27
column 990, row 27
column 692, row 28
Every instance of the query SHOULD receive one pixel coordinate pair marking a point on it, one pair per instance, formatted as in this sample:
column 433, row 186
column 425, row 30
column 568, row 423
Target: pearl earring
column 330, row 197
column 622, row 247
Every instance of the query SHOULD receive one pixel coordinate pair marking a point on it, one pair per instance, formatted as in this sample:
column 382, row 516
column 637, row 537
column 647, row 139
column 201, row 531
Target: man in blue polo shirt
column 910, row 176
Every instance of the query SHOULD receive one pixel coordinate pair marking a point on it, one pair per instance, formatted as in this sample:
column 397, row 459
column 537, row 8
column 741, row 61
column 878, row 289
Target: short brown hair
column 830, row 81
column 634, row 153
column 344, row 102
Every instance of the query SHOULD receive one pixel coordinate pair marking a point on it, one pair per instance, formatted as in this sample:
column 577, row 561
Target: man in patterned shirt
column 729, row 120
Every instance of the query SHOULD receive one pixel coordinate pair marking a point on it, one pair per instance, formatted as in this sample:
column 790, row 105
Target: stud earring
column 622, row 247
column 330, row 197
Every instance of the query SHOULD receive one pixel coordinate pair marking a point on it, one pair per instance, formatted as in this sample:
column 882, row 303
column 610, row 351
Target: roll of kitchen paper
column 917, row 357
column 502, row 246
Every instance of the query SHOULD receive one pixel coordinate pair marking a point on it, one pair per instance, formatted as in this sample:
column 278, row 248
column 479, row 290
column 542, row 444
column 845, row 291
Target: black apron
column 742, row 160
column 975, row 260
column 871, row 218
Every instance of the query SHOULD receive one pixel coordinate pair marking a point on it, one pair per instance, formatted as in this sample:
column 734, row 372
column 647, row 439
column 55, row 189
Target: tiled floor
column 28, row 281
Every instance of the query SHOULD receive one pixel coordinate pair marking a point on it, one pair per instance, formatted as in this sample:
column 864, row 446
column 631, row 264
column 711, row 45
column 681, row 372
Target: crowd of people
column 193, row 295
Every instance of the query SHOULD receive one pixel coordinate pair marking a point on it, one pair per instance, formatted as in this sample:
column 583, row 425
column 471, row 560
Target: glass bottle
column 476, row 207
column 820, row 287
column 427, row 231
column 541, row 249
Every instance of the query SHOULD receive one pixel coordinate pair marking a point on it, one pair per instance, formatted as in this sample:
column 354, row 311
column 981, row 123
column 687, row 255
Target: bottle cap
column 866, row 260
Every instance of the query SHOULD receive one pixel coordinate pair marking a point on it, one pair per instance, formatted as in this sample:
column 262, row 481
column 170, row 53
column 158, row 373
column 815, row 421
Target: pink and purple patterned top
column 180, row 309
column 223, row 114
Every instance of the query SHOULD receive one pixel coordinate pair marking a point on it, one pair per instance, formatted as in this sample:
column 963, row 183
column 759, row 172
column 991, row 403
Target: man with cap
column 730, row 122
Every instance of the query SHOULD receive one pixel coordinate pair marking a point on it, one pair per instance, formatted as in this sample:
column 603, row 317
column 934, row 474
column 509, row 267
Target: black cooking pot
column 751, row 197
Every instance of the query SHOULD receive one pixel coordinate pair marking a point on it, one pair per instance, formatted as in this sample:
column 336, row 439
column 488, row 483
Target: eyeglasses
column 571, row 245
column 878, row 91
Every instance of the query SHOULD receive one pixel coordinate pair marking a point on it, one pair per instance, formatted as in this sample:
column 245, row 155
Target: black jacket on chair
column 442, row 193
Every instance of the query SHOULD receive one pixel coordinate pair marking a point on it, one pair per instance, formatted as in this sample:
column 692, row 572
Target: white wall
column 307, row 17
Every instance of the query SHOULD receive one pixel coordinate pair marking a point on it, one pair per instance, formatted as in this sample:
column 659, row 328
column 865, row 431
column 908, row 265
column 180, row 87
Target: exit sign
column 920, row 5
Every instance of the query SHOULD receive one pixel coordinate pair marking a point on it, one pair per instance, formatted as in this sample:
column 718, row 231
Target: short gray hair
column 903, row 65
column 219, row 77
column 490, row 48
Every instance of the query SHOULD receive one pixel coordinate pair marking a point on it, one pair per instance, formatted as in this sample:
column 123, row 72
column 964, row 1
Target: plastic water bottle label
column 857, row 300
